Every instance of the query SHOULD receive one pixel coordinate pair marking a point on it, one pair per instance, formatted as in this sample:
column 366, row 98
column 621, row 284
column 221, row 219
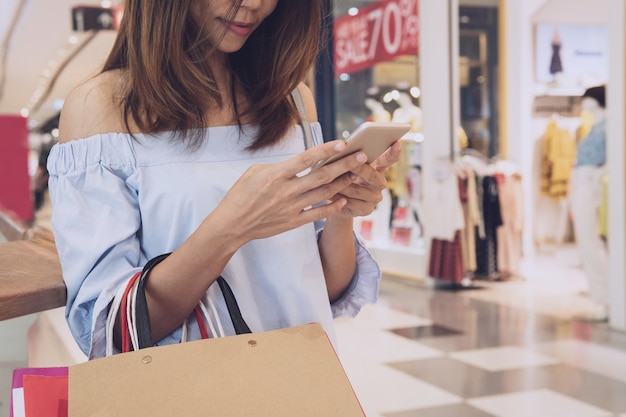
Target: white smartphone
column 373, row 138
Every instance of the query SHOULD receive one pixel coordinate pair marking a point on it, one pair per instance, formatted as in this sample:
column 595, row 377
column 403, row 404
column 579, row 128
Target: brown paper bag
column 291, row 372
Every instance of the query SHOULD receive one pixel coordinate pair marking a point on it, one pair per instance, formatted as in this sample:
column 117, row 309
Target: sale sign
column 377, row 33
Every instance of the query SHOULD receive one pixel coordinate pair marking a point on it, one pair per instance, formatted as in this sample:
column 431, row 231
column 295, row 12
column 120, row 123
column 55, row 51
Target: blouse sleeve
column 95, row 221
column 363, row 288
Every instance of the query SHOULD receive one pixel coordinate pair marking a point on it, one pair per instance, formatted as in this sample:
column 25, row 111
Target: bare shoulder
column 309, row 102
column 91, row 108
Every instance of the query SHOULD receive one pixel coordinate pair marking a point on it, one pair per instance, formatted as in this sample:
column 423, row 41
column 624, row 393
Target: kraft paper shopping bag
column 282, row 373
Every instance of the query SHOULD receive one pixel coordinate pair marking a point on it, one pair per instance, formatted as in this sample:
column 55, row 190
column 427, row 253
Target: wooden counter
column 30, row 272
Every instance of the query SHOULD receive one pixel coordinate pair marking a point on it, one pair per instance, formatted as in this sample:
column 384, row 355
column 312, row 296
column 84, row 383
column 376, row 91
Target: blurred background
column 487, row 307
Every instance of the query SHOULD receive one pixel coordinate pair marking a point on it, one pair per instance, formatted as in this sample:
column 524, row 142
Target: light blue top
column 592, row 149
column 119, row 202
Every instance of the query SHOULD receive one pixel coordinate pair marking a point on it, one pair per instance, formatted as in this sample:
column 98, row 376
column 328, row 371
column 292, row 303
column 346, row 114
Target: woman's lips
column 237, row 28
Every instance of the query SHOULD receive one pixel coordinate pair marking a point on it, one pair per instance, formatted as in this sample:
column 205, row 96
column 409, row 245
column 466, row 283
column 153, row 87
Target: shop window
column 376, row 78
column 478, row 60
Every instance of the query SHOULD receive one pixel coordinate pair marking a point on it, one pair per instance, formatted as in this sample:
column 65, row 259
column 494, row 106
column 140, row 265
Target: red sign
column 15, row 187
column 378, row 33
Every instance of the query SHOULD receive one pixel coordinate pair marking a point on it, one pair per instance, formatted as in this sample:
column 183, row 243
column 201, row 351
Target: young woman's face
column 229, row 32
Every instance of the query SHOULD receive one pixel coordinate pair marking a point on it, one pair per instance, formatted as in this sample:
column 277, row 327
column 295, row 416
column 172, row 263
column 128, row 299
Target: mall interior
column 495, row 300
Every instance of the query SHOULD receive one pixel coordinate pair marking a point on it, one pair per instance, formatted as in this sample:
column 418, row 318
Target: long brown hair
column 170, row 85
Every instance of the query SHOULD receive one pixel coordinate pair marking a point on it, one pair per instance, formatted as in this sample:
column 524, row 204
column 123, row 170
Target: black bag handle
column 240, row 325
column 142, row 315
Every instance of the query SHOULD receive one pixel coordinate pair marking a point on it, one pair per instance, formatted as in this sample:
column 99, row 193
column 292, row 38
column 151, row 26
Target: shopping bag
column 282, row 373
column 45, row 396
column 39, row 392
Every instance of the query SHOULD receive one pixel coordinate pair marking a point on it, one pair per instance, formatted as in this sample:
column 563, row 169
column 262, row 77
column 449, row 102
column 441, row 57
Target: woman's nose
column 251, row 4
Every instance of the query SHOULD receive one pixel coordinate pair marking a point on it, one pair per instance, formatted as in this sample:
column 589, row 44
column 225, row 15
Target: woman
column 188, row 142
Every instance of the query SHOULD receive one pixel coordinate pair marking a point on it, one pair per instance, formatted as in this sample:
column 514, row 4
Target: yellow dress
column 558, row 155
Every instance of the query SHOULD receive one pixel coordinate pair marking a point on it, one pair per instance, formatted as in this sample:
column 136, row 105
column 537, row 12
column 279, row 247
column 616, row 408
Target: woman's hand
column 368, row 181
column 271, row 199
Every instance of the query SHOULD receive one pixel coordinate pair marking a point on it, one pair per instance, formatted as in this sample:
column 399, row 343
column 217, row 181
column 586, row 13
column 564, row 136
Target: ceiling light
column 416, row 92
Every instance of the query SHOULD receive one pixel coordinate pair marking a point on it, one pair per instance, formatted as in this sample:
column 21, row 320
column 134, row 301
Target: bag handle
column 240, row 325
column 142, row 315
column 304, row 120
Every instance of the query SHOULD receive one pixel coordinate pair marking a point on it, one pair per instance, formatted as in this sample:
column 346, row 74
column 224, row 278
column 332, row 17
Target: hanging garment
column 509, row 235
column 550, row 217
column 558, row 154
column 447, row 214
column 471, row 214
column 486, row 249
column 446, row 259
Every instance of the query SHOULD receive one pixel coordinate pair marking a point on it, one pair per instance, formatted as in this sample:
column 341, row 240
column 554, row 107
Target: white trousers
column 585, row 197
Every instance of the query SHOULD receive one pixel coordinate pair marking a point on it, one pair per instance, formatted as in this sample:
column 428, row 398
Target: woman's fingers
column 282, row 196
column 370, row 177
column 270, row 199
column 311, row 157
column 388, row 158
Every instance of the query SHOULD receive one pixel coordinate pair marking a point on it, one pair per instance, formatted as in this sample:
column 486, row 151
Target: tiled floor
column 427, row 352
column 493, row 352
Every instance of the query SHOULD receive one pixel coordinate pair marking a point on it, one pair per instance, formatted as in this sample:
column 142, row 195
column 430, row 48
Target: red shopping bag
column 39, row 392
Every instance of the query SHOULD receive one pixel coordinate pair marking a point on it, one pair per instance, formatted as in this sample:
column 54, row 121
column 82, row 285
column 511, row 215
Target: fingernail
column 340, row 145
column 361, row 157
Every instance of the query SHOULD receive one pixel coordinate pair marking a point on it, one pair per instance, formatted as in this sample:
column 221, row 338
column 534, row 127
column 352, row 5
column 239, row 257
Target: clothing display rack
column 485, row 243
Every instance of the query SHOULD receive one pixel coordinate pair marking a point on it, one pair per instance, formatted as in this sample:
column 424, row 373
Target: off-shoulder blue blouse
column 119, row 201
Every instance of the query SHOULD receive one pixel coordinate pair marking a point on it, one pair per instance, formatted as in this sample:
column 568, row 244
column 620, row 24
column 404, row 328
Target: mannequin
column 586, row 196
column 408, row 112
column 377, row 110
column 398, row 174
column 555, row 63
